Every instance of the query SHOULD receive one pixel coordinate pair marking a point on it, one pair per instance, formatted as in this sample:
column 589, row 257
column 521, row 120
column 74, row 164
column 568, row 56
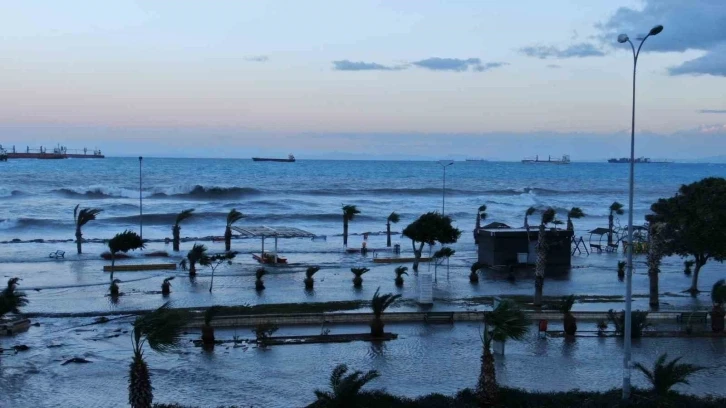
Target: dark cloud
column 257, row 58
column 712, row 111
column 347, row 65
column 580, row 50
column 688, row 25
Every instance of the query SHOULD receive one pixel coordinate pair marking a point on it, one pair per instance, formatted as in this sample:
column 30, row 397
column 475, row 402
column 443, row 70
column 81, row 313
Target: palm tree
column 441, row 254
column 114, row 289
column 400, row 271
column 349, row 212
column 615, row 208
column 166, row 286
column 379, row 304
column 161, row 330
column 259, row 273
column 82, row 218
column 656, row 251
column 474, row 276
column 309, row 281
column 232, row 217
column 718, row 298
column 207, row 328
column 665, row 375
column 481, row 215
column 527, row 213
column 394, row 218
column 195, row 255
column 123, row 242
column 358, row 272
column 344, row 389
column 507, row 321
column 548, row 216
column 175, row 229
column 575, row 212
column 11, row 300
column 570, row 322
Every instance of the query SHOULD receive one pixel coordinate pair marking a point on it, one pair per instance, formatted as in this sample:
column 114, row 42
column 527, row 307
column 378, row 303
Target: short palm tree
column 718, row 298
column 309, row 281
column 667, row 374
column 82, row 218
column 349, row 212
column 441, row 254
column 481, row 215
column 574, row 213
column 615, row 209
column 176, row 228
column 358, row 279
column 400, row 271
column 113, row 289
column 344, row 389
column 207, row 328
column 232, row 217
column 259, row 273
column 123, row 242
column 379, row 304
column 161, row 330
column 507, row 321
column 570, row 322
column 11, row 300
column 548, row 216
column 194, row 256
column 166, row 286
column 638, row 322
column 474, row 275
column 394, row 218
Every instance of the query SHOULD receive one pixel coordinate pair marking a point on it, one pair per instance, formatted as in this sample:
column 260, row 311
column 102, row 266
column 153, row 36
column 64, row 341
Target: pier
column 59, row 152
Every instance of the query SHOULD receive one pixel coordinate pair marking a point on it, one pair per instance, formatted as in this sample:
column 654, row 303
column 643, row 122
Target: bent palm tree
column 309, row 281
column 11, row 300
column 259, row 284
column 379, row 304
column 349, row 212
column 82, row 218
column 358, row 279
column 161, row 330
column 123, row 242
column 665, row 375
column 615, row 209
column 574, row 213
column 345, row 389
column 176, row 228
column 542, row 246
column 394, row 218
column 400, row 271
column 507, row 321
column 194, row 256
column 232, row 217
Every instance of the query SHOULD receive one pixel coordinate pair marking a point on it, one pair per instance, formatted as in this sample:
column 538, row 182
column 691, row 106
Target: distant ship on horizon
column 290, row 159
column 564, row 160
column 645, row 160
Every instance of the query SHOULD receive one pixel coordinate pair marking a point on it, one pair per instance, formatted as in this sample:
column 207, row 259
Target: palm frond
column 11, row 299
column 380, row 303
column 85, row 215
column 616, row 208
column 507, row 321
column 183, row 216
column 718, row 292
column 210, row 313
column 575, row 212
column 349, row 211
column 345, row 388
column 476, row 266
column 444, row 252
column 234, row 216
column 394, row 218
column 530, row 211
column 197, row 253
column 125, row 241
column 169, row 279
column 75, row 213
column 565, row 304
column 401, row 270
column 312, row 270
column 665, row 375
column 548, row 216
column 260, row 272
column 482, row 208
column 359, row 271
column 162, row 327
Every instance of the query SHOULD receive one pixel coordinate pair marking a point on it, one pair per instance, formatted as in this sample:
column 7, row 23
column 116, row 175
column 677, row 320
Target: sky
column 363, row 78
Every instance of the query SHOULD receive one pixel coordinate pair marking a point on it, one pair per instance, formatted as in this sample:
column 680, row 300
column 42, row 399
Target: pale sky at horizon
column 322, row 76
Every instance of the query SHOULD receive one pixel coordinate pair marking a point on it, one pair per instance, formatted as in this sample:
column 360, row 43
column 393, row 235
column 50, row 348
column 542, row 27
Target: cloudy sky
column 363, row 78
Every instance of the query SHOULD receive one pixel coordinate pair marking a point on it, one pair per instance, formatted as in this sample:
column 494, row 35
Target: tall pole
column 443, row 195
column 141, row 204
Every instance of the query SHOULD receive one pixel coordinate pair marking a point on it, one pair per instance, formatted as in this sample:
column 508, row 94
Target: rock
column 77, row 360
column 16, row 240
column 21, row 347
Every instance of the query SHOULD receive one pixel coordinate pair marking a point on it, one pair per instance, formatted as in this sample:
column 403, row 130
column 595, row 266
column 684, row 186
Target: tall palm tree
column 194, row 256
column 656, row 251
column 123, row 242
column 175, row 229
column 394, row 218
column 358, row 279
column 11, row 300
column 400, row 271
column 309, row 281
column 527, row 213
column 507, row 321
column 344, row 389
column 162, row 331
column 259, row 284
column 665, row 375
column 379, row 304
column 575, row 212
column 82, row 218
column 548, row 216
column 718, row 298
column 481, row 215
column 349, row 212
column 615, row 209
column 232, row 217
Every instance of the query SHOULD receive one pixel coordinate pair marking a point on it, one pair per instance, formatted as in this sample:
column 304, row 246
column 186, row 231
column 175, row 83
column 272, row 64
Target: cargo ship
column 290, row 159
column 564, row 160
column 641, row 160
column 60, row 152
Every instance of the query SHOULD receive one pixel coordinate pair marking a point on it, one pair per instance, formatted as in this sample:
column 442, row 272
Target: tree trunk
column 140, row 390
column 653, row 278
column 570, row 324
column 487, row 389
column 208, row 335
column 610, row 229
column 694, row 279
column 259, row 285
column 79, row 237
column 388, row 234
column 717, row 319
column 113, row 262
column 541, row 265
column 399, row 281
column 377, row 327
column 538, row 286
column 192, row 268
column 345, row 231
column 309, row 283
column 165, row 288
column 417, row 256
column 175, row 235
column 228, row 239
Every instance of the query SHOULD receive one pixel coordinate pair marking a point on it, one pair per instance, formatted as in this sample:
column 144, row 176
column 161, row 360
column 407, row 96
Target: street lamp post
column 141, row 208
column 444, row 164
column 627, row 363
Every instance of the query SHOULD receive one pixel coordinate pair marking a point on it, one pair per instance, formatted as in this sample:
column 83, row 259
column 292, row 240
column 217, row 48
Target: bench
column 596, row 246
column 439, row 317
column 57, row 254
column 691, row 317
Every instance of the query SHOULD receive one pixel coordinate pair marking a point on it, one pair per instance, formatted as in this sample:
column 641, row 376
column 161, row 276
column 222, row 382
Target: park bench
column 596, row 246
column 57, row 254
column 692, row 317
column 439, row 317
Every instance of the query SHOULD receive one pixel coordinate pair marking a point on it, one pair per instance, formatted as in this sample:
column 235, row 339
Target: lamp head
column 622, row 38
column 656, row 30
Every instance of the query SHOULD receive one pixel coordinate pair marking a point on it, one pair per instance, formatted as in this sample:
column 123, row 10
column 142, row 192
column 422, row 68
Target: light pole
column 141, row 208
column 627, row 363
column 444, row 164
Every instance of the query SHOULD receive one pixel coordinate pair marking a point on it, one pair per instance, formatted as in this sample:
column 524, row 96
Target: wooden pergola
column 271, row 232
